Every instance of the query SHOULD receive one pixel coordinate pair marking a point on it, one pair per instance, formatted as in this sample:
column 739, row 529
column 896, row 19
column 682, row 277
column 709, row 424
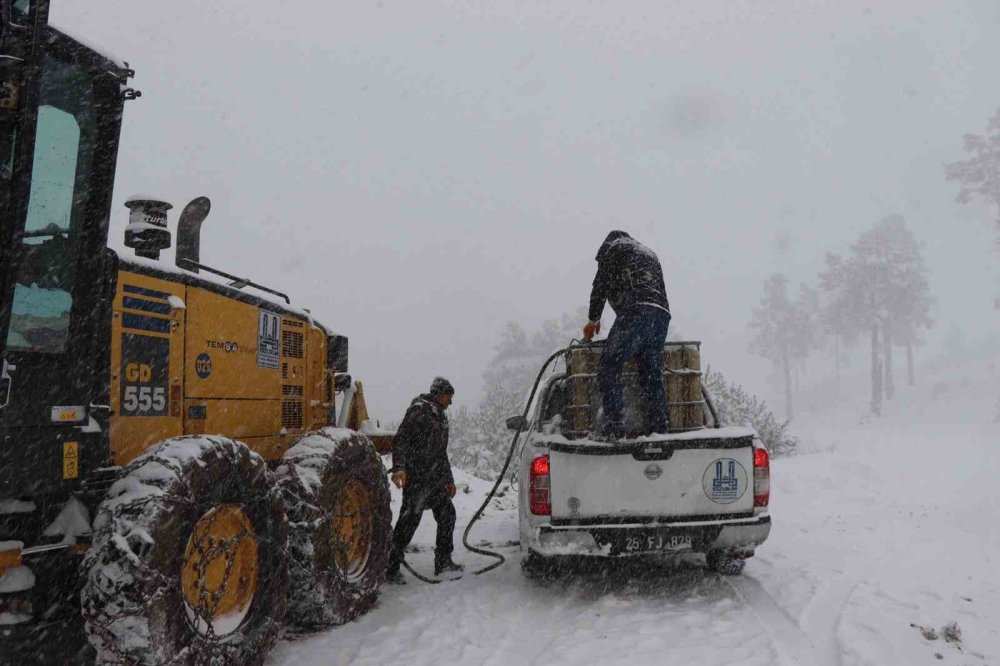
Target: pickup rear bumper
column 644, row 538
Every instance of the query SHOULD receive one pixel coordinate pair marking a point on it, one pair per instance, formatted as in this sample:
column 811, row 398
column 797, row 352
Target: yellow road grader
column 184, row 468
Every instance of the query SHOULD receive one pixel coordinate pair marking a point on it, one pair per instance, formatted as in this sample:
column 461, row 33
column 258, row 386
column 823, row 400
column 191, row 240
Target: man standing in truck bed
column 420, row 466
column 629, row 277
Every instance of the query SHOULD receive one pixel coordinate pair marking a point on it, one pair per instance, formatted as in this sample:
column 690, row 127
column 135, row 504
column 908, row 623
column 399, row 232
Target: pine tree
column 808, row 329
column 785, row 329
column 882, row 288
column 737, row 407
column 979, row 175
column 838, row 314
column 479, row 437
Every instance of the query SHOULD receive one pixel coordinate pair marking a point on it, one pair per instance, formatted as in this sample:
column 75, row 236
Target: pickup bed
column 700, row 492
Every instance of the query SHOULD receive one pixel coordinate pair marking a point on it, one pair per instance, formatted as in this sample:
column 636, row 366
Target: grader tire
column 189, row 558
column 337, row 498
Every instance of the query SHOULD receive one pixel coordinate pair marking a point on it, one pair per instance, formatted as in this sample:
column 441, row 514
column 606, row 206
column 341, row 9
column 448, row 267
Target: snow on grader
column 183, row 469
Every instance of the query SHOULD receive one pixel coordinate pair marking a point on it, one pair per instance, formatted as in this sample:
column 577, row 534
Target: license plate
column 655, row 543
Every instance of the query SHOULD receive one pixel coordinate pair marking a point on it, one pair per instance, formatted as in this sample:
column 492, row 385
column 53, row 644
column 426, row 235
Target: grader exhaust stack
column 188, row 254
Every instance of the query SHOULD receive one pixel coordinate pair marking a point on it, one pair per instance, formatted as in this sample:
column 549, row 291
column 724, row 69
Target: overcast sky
column 420, row 172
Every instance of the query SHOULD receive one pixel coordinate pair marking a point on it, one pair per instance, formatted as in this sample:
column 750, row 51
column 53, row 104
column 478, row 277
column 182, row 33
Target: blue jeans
column 639, row 332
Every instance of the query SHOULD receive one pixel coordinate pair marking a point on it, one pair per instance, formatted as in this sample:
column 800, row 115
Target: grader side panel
column 189, row 360
column 147, row 362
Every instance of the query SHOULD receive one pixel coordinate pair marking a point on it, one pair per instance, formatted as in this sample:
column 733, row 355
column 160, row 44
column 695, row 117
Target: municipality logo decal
column 724, row 481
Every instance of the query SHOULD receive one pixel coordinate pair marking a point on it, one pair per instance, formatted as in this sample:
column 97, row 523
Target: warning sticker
column 71, row 460
column 269, row 340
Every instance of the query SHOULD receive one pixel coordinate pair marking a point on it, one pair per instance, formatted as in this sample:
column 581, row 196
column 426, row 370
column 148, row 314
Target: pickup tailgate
column 692, row 476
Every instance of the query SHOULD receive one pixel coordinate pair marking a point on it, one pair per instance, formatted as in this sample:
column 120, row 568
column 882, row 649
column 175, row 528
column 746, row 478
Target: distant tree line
column 878, row 290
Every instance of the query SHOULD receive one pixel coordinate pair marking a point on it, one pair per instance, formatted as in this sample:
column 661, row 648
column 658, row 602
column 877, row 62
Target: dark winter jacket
column 628, row 274
column 421, row 444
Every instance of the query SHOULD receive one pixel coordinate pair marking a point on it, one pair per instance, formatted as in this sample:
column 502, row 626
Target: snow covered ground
column 885, row 532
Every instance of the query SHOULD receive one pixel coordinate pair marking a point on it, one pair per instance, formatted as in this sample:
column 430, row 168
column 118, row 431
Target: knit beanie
column 440, row 386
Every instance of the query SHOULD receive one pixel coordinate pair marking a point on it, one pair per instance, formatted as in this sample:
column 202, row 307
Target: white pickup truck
column 703, row 491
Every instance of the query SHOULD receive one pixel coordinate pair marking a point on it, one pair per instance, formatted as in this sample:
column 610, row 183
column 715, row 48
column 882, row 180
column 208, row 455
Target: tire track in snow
column 793, row 645
column 821, row 617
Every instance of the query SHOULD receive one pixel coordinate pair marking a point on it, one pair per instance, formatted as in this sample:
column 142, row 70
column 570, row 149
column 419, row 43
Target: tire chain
column 125, row 513
column 228, row 548
column 340, row 547
column 317, row 514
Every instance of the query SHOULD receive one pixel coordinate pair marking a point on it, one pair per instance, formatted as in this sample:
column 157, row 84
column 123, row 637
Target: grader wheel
column 189, row 558
column 219, row 569
column 353, row 528
column 337, row 497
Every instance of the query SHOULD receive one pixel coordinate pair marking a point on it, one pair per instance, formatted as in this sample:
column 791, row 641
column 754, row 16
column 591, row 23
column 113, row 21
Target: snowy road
column 501, row 618
column 880, row 530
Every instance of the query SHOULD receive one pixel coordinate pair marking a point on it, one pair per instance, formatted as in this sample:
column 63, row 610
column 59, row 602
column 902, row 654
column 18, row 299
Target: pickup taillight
column 539, row 487
column 761, row 477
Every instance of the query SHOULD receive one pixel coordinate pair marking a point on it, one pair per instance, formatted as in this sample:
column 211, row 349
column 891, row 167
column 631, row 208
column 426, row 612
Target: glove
column 591, row 329
column 452, row 490
column 399, row 479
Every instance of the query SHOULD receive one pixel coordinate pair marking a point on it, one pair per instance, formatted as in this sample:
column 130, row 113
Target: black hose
column 711, row 405
column 432, row 581
column 510, row 454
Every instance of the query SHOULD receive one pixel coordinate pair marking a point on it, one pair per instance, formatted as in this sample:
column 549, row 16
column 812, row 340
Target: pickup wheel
column 535, row 566
column 724, row 563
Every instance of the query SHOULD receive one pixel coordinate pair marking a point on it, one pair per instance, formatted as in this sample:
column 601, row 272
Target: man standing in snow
column 420, row 466
column 629, row 277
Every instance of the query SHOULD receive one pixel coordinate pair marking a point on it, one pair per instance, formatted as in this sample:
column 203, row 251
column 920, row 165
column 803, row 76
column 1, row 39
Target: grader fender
column 358, row 419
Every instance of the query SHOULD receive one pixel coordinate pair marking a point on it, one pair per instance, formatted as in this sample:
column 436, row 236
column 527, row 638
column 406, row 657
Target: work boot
column 611, row 432
column 395, row 577
column 446, row 566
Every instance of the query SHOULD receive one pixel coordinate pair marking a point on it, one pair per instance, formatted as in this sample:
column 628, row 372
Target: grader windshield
column 65, row 140
column 60, row 118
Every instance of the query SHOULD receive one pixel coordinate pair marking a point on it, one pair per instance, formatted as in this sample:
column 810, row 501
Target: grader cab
column 183, row 464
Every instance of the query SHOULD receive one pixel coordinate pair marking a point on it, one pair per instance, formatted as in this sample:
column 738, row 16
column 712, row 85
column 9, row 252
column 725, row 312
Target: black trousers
column 416, row 500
